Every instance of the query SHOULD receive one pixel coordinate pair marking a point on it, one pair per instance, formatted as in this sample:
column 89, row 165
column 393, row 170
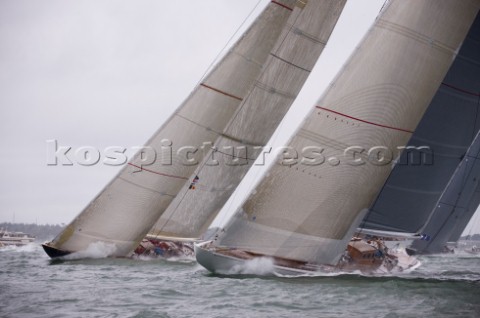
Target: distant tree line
column 41, row 232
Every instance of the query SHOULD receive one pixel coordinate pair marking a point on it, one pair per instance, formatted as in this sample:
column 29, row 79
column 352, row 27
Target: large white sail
column 438, row 145
column 133, row 201
column 286, row 70
column 309, row 212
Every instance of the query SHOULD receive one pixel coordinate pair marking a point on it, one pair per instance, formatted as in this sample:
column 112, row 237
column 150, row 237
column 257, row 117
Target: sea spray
column 94, row 250
column 256, row 266
column 28, row 248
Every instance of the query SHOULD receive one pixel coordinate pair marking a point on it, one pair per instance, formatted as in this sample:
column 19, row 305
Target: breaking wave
column 31, row 247
column 94, row 250
column 256, row 266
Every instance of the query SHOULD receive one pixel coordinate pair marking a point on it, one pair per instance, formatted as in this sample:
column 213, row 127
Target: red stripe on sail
column 282, row 5
column 221, row 92
column 365, row 121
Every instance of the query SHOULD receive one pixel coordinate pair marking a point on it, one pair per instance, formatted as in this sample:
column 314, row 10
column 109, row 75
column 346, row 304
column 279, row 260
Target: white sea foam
column 256, row 266
column 94, row 250
column 31, row 247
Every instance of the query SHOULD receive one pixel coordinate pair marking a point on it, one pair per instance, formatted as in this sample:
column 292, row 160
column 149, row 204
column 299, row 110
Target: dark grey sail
column 456, row 206
column 445, row 132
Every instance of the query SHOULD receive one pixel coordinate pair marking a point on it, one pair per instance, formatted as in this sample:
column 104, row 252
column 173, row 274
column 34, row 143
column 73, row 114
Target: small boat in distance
column 15, row 238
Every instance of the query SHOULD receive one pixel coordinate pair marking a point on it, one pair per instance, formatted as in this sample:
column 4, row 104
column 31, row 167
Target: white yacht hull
column 225, row 264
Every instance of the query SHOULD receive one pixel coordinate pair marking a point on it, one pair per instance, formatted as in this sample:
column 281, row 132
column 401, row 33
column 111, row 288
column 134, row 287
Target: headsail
column 286, row 70
column 456, row 206
column 127, row 207
column 438, row 145
column 308, row 212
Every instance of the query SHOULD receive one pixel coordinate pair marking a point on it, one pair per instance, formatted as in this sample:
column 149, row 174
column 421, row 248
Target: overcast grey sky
column 109, row 73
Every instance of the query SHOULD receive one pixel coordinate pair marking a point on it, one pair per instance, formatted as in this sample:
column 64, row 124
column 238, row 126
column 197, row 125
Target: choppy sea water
column 31, row 285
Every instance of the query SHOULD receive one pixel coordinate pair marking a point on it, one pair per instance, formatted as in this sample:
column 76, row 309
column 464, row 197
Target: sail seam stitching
column 461, row 90
column 147, row 188
column 235, row 157
column 239, row 140
column 307, row 36
column 322, row 140
column 221, row 92
column 290, row 63
column 454, row 206
column 415, row 35
column 365, row 121
column 273, row 90
column 198, row 124
column 156, row 172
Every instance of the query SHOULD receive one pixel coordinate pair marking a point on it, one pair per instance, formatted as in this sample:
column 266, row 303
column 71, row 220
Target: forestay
column 309, row 212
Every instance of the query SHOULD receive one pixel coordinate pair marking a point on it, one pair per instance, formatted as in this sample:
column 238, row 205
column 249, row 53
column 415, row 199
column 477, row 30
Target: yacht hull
column 224, row 264
column 220, row 263
column 54, row 252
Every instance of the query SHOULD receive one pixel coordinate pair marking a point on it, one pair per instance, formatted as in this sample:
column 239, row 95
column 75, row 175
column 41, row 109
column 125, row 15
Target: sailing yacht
column 124, row 211
column 303, row 39
column 237, row 107
column 303, row 216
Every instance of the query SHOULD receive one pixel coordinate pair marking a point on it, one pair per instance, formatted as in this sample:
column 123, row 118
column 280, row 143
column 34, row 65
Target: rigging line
column 156, row 172
column 233, row 118
column 209, row 68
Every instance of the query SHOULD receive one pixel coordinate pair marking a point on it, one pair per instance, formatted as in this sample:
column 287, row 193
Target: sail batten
column 309, row 213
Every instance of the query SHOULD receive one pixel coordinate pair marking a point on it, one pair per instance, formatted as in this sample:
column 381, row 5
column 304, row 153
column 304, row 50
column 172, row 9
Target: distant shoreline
column 41, row 232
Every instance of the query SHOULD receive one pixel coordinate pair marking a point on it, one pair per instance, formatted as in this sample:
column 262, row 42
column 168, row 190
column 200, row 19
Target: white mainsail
column 287, row 68
column 133, row 201
column 309, row 212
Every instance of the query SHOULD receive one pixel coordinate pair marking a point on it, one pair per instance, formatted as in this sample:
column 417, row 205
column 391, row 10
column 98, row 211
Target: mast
column 287, row 68
column 124, row 211
column 308, row 212
column 442, row 138
column 456, row 206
